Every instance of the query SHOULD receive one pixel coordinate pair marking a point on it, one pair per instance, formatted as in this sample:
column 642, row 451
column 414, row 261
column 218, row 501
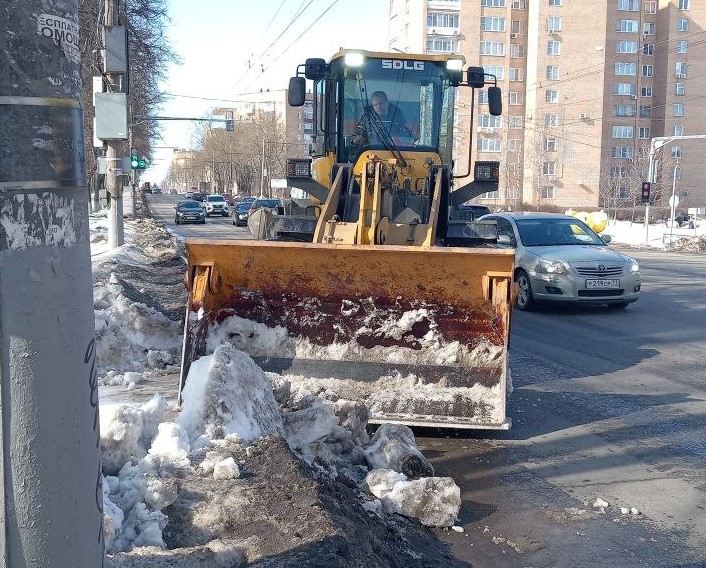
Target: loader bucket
column 419, row 334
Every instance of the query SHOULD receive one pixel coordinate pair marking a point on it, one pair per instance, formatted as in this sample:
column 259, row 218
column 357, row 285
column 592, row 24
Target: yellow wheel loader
column 377, row 288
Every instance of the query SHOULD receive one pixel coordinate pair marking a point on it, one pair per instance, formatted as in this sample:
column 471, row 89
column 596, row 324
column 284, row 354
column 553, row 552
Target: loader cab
column 420, row 102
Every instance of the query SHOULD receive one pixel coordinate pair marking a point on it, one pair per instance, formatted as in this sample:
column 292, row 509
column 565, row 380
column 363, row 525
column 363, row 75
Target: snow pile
column 228, row 404
column 131, row 336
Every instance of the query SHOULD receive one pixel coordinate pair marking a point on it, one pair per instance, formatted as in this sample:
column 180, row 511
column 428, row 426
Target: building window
column 443, row 20
column 645, row 111
column 646, row 91
column 648, row 49
column 625, row 89
column 551, row 96
column 626, row 47
column 649, row 29
column 648, row 70
column 515, row 122
column 492, row 48
column 492, row 24
column 519, row 4
column 552, row 71
column 516, row 74
column 622, row 132
column 644, row 133
column 483, row 97
column 497, row 70
column 517, row 50
column 442, row 45
column 621, row 152
column 553, row 47
column 629, row 5
column 680, row 89
column 682, row 46
column 678, row 130
column 513, row 145
column 676, row 152
column 489, row 121
column 626, row 68
column 627, row 26
column 617, row 172
column 682, row 25
column 678, row 109
column 493, row 3
column 489, row 145
column 555, row 2
column 624, row 110
column 515, row 98
column 554, row 24
column 550, row 144
column 551, row 120
column 680, row 70
column 650, row 7
column 683, row 4
column 549, row 168
column 546, row 192
column 515, row 27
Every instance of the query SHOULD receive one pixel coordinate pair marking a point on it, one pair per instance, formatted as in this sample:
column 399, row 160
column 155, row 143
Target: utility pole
column 116, row 228
column 51, row 503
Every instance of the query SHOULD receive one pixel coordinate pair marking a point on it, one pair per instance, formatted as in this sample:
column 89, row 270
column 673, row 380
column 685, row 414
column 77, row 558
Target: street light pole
column 673, row 202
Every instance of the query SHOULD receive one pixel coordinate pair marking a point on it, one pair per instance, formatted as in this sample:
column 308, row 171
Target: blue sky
column 224, row 46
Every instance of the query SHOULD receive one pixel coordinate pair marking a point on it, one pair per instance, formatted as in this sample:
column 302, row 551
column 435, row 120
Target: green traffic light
column 134, row 163
column 141, row 164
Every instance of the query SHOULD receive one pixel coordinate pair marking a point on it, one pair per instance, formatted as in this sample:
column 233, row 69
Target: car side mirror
column 606, row 238
column 504, row 240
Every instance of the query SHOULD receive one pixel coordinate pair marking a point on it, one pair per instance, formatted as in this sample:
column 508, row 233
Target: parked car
column 239, row 213
column 471, row 211
column 216, row 205
column 156, row 190
column 197, row 196
column 261, row 203
column 229, row 199
column 559, row 258
column 189, row 211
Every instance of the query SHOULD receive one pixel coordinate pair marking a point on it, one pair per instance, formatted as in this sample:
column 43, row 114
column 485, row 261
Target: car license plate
column 603, row 284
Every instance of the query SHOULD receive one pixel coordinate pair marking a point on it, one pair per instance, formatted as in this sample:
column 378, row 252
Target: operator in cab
column 382, row 121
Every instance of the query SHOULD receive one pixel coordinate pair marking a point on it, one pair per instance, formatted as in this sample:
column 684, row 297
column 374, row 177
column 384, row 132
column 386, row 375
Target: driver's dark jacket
column 393, row 123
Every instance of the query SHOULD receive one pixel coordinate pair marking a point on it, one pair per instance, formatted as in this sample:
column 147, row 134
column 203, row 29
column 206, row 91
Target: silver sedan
column 560, row 259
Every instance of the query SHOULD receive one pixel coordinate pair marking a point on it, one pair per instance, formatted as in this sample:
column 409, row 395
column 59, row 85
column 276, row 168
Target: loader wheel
column 525, row 300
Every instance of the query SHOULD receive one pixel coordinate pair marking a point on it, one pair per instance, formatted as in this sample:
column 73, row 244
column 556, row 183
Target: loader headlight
column 552, row 267
column 454, row 64
column 354, row 59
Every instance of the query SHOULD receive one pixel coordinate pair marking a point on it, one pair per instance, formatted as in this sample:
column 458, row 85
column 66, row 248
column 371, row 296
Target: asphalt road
column 607, row 404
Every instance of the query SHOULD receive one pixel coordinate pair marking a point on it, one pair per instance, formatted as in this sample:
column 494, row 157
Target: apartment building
column 594, row 92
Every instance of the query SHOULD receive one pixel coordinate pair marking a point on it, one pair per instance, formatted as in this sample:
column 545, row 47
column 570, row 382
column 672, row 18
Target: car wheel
column 618, row 306
column 233, row 221
column 224, row 214
column 203, row 222
column 176, row 220
column 525, row 300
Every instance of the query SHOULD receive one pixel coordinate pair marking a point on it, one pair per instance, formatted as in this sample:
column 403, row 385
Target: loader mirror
column 495, row 101
column 296, row 95
column 315, row 69
column 475, row 77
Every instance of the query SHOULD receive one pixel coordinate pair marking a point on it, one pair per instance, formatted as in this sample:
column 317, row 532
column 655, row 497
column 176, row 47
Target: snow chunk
column 226, row 469
column 228, row 393
column 393, row 447
column 435, row 501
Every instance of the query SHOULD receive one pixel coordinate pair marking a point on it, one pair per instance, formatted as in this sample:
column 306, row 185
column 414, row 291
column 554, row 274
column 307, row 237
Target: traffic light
column 229, row 125
column 645, row 196
column 134, row 159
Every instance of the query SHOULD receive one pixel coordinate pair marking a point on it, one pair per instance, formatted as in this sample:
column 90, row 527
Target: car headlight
column 633, row 265
column 552, row 267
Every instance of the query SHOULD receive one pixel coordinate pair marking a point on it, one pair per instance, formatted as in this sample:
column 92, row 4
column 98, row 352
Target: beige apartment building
column 593, row 93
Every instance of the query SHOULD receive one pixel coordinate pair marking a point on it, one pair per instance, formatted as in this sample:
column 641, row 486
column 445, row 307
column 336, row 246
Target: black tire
column 618, row 306
column 176, row 220
column 224, row 214
column 203, row 222
column 525, row 299
column 233, row 221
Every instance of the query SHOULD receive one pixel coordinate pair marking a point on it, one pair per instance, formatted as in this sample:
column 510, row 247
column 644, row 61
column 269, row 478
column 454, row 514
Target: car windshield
column 188, row 205
column 216, row 198
column 556, row 232
column 244, row 206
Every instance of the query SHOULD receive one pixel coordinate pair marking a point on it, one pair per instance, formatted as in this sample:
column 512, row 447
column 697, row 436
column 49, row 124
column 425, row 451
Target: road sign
column 673, row 200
